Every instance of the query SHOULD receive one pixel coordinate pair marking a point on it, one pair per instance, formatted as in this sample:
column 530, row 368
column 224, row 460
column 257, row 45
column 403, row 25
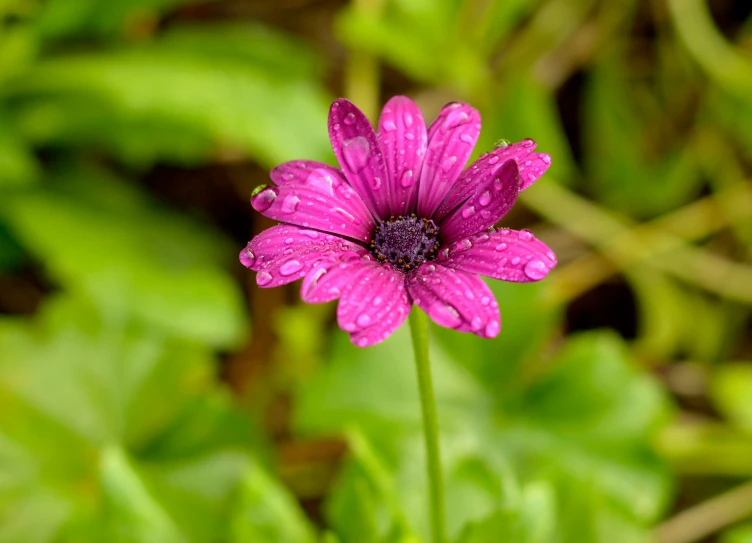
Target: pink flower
column 400, row 223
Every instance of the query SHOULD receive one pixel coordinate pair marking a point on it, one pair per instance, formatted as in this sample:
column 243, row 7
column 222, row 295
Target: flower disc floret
column 405, row 242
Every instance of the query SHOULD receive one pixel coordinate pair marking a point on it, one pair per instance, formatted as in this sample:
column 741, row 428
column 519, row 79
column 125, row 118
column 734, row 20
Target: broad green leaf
column 583, row 423
column 111, row 432
column 164, row 101
column 266, row 513
column 130, row 256
column 738, row 534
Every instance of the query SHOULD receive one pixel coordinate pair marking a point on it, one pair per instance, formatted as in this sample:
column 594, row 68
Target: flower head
column 400, row 222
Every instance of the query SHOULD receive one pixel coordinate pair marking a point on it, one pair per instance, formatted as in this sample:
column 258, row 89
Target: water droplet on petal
column 455, row 119
column 468, row 212
column 467, row 138
column 290, row 203
column 444, row 253
column 407, row 179
column 546, row 159
column 264, row 199
column 525, row 235
column 364, row 320
column 528, row 142
column 536, row 270
column 376, row 183
column 448, row 163
column 476, row 323
column 464, row 245
column 515, row 260
column 408, row 118
column 290, row 267
column 484, row 300
column 485, row 213
column 289, row 241
column 409, row 136
column 355, row 152
column 350, row 118
column 346, row 215
column 493, row 160
column 445, row 315
column 501, row 247
column 388, row 125
column 322, row 180
column 485, row 198
column 377, row 301
column 247, row 258
column 263, row 278
column 492, row 328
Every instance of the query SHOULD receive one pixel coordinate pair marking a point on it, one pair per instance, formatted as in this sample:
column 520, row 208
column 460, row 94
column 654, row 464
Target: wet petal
column 451, row 139
column 487, row 167
column 316, row 196
column 509, row 255
column 493, row 199
column 455, row 299
column 285, row 253
column 331, row 277
column 357, row 149
column 402, row 136
column 375, row 303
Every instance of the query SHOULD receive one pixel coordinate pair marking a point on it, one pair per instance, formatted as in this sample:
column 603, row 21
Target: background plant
column 137, row 402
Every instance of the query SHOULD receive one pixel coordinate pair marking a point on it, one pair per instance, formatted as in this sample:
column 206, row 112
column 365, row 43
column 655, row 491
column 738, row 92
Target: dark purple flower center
column 405, row 242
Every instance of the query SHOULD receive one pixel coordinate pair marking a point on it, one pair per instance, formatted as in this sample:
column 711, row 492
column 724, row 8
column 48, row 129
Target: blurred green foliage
column 114, row 424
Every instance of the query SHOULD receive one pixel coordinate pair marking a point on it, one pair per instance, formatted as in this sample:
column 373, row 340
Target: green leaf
column 738, row 534
column 18, row 166
column 119, row 249
column 166, row 101
column 266, row 513
column 582, row 422
column 112, row 432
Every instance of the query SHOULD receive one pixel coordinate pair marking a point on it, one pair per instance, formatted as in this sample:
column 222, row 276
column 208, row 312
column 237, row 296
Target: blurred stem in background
column 419, row 331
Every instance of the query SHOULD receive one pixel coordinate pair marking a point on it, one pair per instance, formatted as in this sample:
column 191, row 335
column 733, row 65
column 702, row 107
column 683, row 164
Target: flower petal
column 402, row 136
column 357, row 149
column 451, row 139
column 374, row 305
column 330, row 278
column 493, row 199
column 285, row 253
column 455, row 299
column 487, row 166
column 509, row 255
column 317, row 196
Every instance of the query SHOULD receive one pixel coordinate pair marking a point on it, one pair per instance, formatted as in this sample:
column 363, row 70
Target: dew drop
column 407, row 179
column 515, row 260
column 290, row 203
column 468, row 212
column 476, row 323
column 388, row 126
column 376, row 183
column 290, row 267
column 349, row 119
column 485, row 198
column 464, row 245
column 247, row 258
column 409, row 136
column 377, row 301
column 264, row 199
column 455, row 119
column 355, row 152
column 322, row 180
column 546, row 159
column 484, row 300
column 536, row 270
column 445, row 315
column 364, row 320
column 501, row 247
column 263, row 278
column 493, row 160
column 444, row 253
column 408, row 118
column 346, row 215
column 525, row 235
column 289, row 241
column 467, row 138
column 492, row 328
column 448, row 163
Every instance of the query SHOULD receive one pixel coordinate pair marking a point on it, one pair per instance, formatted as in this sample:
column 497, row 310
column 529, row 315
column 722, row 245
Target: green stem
column 419, row 332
